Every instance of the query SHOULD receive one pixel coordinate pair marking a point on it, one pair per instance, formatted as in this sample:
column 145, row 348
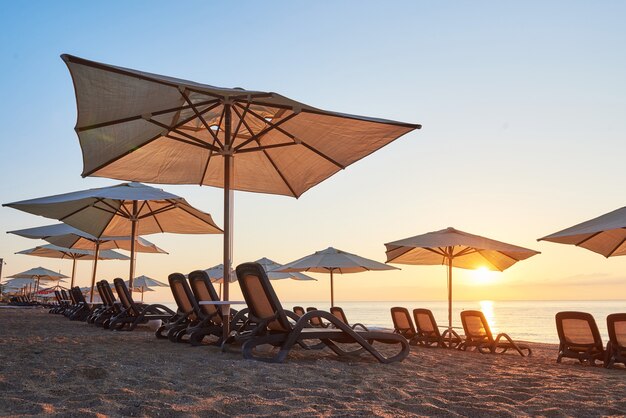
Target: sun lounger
column 403, row 324
column 299, row 310
column 579, row 337
column 211, row 318
column 134, row 313
column 340, row 314
column 616, row 348
column 478, row 334
column 428, row 333
column 274, row 327
column 316, row 322
column 188, row 313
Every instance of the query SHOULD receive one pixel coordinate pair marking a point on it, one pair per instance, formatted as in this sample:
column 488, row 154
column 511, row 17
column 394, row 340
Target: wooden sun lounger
column 616, row 347
column 579, row 337
column 478, row 335
column 274, row 327
column 134, row 313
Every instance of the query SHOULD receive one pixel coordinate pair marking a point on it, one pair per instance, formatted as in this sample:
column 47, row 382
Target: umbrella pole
column 73, row 271
column 450, row 292
column 142, row 290
column 332, row 292
column 133, row 236
column 228, row 214
column 95, row 267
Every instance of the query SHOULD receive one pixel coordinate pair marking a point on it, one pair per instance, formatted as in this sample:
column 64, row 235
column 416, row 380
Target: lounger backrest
column 125, row 297
column 101, row 293
column 183, row 296
column 616, row 324
column 203, row 290
column 298, row 310
column 260, row 296
column 339, row 314
column 315, row 321
column 402, row 322
column 106, row 286
column 64, row 295
column 475, row 326
column 577, row 329
column 57, row 295
column 425, row 322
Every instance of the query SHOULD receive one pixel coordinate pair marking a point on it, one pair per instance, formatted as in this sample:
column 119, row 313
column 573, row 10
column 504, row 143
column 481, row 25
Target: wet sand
column 52, row 366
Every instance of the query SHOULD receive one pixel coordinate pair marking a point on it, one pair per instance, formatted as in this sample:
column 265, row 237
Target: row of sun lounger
column 580, row 339
column 478, row 334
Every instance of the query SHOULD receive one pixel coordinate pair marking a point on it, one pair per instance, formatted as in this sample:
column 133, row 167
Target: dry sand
column 52, row 366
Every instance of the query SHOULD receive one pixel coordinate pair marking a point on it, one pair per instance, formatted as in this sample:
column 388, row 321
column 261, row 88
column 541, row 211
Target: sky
column 522, row 106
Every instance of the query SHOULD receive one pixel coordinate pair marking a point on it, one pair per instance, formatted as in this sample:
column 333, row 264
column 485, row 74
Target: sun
column 483, row 276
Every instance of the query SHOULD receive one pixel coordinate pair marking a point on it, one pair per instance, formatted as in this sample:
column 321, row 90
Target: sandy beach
column 52, row 366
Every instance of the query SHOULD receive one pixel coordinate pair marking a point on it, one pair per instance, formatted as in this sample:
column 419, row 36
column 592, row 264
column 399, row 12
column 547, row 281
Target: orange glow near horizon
column 482, row 276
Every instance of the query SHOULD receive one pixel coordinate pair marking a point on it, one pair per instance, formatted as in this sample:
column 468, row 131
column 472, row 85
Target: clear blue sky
column 522, row 103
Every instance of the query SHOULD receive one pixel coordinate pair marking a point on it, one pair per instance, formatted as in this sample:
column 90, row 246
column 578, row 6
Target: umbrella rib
column 154, row 213
column 183, row 208
column 589, row 237
column 264, row 147
column 130, row 151
column 616, row 247
column 171, row 205
column 293, row 192
column 181, row 133
column 137, row 117
column 241, row 117
column 271, row 127
column 199, row 116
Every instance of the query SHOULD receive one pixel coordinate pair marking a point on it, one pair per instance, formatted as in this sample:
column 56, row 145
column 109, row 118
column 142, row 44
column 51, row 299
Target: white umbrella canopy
column 270, row 266
column 332, row 261
column 604, row 235
column 54, row 251
column 144, row 283
column 125, row 209
column 455, row 248
column 67, row 236
column 145, row 127
column 216, row 274
column 37, row 274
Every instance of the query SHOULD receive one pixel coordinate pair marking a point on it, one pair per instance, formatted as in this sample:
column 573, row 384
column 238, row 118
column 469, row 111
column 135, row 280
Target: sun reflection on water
column 486, row 306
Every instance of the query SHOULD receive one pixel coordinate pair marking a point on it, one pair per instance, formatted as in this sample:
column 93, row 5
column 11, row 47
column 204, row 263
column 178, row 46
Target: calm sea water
column 522, row 320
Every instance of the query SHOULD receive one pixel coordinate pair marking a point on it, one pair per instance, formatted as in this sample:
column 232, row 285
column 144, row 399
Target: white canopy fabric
column 109, row 211
column 125, row 209
column 67, row 236
column 134, row 125
column 468, row 251
column 216, row 274
column 146, row 282
column 455, row 248
column 38, row 274
column 604, row 235
column 53, row 251
column 333, row 261
column 269, row 266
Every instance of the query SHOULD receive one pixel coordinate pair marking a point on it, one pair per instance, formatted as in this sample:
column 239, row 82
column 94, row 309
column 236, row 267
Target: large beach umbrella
column 127, row 209
column 604, row 235
column 271, row 267
column 38, row 274
column 134, row 125
column 333, row 261
column 53, row 251
column 455, row 248
column 144, row 284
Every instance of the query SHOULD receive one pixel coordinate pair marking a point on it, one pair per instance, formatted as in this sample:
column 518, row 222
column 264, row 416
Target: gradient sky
column 522, row 104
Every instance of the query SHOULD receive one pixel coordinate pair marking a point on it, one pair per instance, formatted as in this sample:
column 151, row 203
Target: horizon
column 523, row 131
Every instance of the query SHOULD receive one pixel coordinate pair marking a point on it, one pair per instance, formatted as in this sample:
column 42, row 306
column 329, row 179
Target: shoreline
column 50, row 365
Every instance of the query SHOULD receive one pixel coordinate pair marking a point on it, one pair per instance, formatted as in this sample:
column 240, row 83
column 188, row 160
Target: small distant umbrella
column 271, row 266
column 144, row 283
column 53, row 251
column 333, row 261
column 604, row 235
column 216, row 274
column 455, row 248
column 39, row 273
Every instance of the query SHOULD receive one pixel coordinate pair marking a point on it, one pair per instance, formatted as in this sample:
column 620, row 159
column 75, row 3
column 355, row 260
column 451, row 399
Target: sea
column 522, row 320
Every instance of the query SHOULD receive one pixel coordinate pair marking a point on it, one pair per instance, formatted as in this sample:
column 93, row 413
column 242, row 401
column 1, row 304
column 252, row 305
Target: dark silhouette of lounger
column 275, row 328
column 299, row 310
column 428, row 333
column 478, row 334
column 187, row 314
column 403, row 324
column 341, row 315
column 616, row 348
column 134, row 313
column 579, row 337
column 316, row 322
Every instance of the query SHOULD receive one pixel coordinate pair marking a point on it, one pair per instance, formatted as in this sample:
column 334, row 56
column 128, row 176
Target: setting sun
column 483, row 276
